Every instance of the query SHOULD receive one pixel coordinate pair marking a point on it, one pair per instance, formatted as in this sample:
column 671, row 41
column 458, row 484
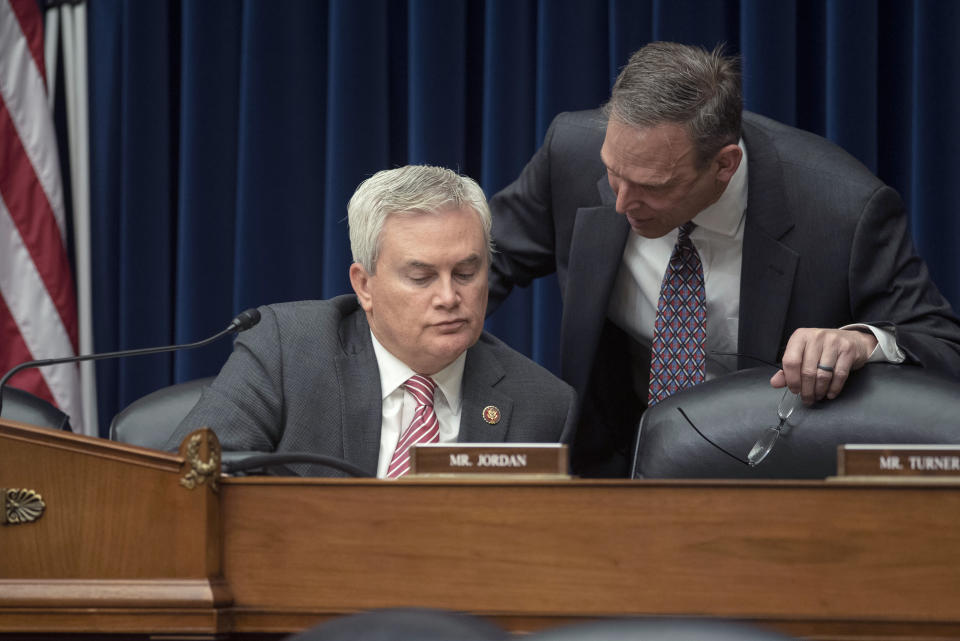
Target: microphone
column 243, row 321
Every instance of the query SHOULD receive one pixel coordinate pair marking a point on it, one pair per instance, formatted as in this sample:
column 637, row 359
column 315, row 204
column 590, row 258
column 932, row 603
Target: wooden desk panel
column 124, row 548
column 121, row 547
column 803, row 556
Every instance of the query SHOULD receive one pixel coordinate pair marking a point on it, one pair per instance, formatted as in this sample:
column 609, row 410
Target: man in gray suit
column 404, row 361
column 805, row 255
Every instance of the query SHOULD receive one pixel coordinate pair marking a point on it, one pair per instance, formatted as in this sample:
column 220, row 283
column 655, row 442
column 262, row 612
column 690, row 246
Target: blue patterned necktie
column 677, row 357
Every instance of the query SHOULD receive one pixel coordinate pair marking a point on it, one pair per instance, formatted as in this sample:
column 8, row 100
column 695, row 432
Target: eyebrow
column 473, row 259
column 660, row 185
column 616, row 173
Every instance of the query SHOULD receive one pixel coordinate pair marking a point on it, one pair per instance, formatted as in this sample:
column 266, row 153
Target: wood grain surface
column 122, row 547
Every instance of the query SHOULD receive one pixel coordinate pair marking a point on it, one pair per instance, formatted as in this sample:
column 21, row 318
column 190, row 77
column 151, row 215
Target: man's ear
column 727, row 161
column 360, row 280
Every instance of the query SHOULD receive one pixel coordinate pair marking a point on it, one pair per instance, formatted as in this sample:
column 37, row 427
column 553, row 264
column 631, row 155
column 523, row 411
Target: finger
column 846, row 361
column 809, row 371
column 778, row 380
column 793, row 360
column 826, row 368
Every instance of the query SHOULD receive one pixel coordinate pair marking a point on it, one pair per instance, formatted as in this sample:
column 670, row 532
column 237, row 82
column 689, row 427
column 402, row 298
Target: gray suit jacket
column 305, row 379
column 825, row 244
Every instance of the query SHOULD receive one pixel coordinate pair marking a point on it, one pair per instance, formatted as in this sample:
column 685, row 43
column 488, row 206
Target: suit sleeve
column 892, row 288
column 244, row 403
column 523, row 227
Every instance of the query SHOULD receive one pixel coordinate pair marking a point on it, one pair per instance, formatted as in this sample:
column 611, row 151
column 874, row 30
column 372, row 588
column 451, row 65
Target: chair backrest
column 24, row 407
column 150, row 420
column 881, row 403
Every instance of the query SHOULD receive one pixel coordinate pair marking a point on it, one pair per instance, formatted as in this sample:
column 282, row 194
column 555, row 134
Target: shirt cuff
column 887, row 350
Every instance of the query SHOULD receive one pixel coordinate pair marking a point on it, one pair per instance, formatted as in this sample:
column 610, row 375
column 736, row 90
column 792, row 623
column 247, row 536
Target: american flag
column 38, row 311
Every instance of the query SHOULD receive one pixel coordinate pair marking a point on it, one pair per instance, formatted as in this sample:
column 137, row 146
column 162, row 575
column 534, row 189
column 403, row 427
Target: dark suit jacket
column 305, row 379
column 825, row 244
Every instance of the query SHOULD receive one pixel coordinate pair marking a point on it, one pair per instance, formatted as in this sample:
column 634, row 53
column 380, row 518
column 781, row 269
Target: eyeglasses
column 789, row 403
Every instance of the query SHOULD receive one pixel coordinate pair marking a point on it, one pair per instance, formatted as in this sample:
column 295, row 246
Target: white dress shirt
column 718, row 238
column 398, row 405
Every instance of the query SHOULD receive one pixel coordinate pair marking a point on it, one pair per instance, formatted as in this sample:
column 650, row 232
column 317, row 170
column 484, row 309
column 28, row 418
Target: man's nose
column 628, row 198
column 447, row 294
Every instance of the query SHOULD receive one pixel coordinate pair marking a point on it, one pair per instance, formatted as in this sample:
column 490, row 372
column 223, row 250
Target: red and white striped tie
column 424, row 428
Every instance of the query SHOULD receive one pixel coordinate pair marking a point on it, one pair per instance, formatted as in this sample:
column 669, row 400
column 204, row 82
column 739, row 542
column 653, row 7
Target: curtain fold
column 852, row 78
column 281, row 156
column 227, row 137
column 207, row 198
column 935, row 176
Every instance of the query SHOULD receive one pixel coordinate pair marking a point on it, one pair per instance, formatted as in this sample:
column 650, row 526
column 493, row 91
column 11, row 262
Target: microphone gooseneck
column 243, row 321
column 263, row 461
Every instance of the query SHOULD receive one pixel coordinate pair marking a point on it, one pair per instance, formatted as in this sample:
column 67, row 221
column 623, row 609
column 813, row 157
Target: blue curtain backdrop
column 228, row 136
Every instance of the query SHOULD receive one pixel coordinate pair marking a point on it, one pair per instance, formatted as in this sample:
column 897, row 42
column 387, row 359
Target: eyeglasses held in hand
column 764, row 445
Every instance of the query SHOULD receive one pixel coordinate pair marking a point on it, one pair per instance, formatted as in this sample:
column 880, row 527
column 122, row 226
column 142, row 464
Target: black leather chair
column 664, row 629
column 24, row 407
column 404, row 624
column 881, row 403
column 150, row 420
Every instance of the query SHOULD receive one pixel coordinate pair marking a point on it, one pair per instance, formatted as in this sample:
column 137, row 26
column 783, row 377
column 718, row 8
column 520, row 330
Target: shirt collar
column 726, row 214
column 394, row 373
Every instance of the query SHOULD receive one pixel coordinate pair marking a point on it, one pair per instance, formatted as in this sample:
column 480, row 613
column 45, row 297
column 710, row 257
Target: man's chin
column 448, row 347
column 647, row 228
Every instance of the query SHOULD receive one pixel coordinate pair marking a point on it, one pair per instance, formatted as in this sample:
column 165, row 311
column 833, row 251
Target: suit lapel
column 480, row 373
column 360, row 406
column 769, row 265
column 596, row 251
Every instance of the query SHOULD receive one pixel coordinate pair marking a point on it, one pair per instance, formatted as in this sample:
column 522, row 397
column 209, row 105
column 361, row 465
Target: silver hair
column 414, row 189
column 666, row 82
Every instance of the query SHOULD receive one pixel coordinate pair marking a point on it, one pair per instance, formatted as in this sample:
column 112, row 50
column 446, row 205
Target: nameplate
column 898, row 460
column 543, row 459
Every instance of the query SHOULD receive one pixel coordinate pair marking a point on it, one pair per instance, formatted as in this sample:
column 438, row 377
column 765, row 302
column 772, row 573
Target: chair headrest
column 881, row 403
column 150, row 420
column 24, row 407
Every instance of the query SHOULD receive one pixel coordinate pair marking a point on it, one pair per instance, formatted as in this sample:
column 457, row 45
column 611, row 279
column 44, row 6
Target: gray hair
column 414, row 189
column 666, row 82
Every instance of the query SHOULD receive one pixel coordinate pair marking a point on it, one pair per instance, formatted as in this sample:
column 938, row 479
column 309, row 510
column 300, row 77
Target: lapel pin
column 491, row 414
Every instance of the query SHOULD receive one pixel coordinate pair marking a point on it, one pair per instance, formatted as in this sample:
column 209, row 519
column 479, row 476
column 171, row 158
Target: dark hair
column 667, row 82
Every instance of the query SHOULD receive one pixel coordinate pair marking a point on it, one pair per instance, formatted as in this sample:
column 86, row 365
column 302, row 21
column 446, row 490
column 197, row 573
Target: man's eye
column 420, row 280
column 465, row 275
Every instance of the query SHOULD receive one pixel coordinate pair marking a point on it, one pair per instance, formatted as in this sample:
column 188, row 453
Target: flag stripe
column 35, row 316
column 39, row 315
column 31, row 184
column 31, row 24
column 23, row 89
column 15, row 351
column 30, row 211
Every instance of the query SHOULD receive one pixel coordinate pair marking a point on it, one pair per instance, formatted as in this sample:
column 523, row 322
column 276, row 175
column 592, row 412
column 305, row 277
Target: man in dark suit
column 404, row 361
column 805, row 255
